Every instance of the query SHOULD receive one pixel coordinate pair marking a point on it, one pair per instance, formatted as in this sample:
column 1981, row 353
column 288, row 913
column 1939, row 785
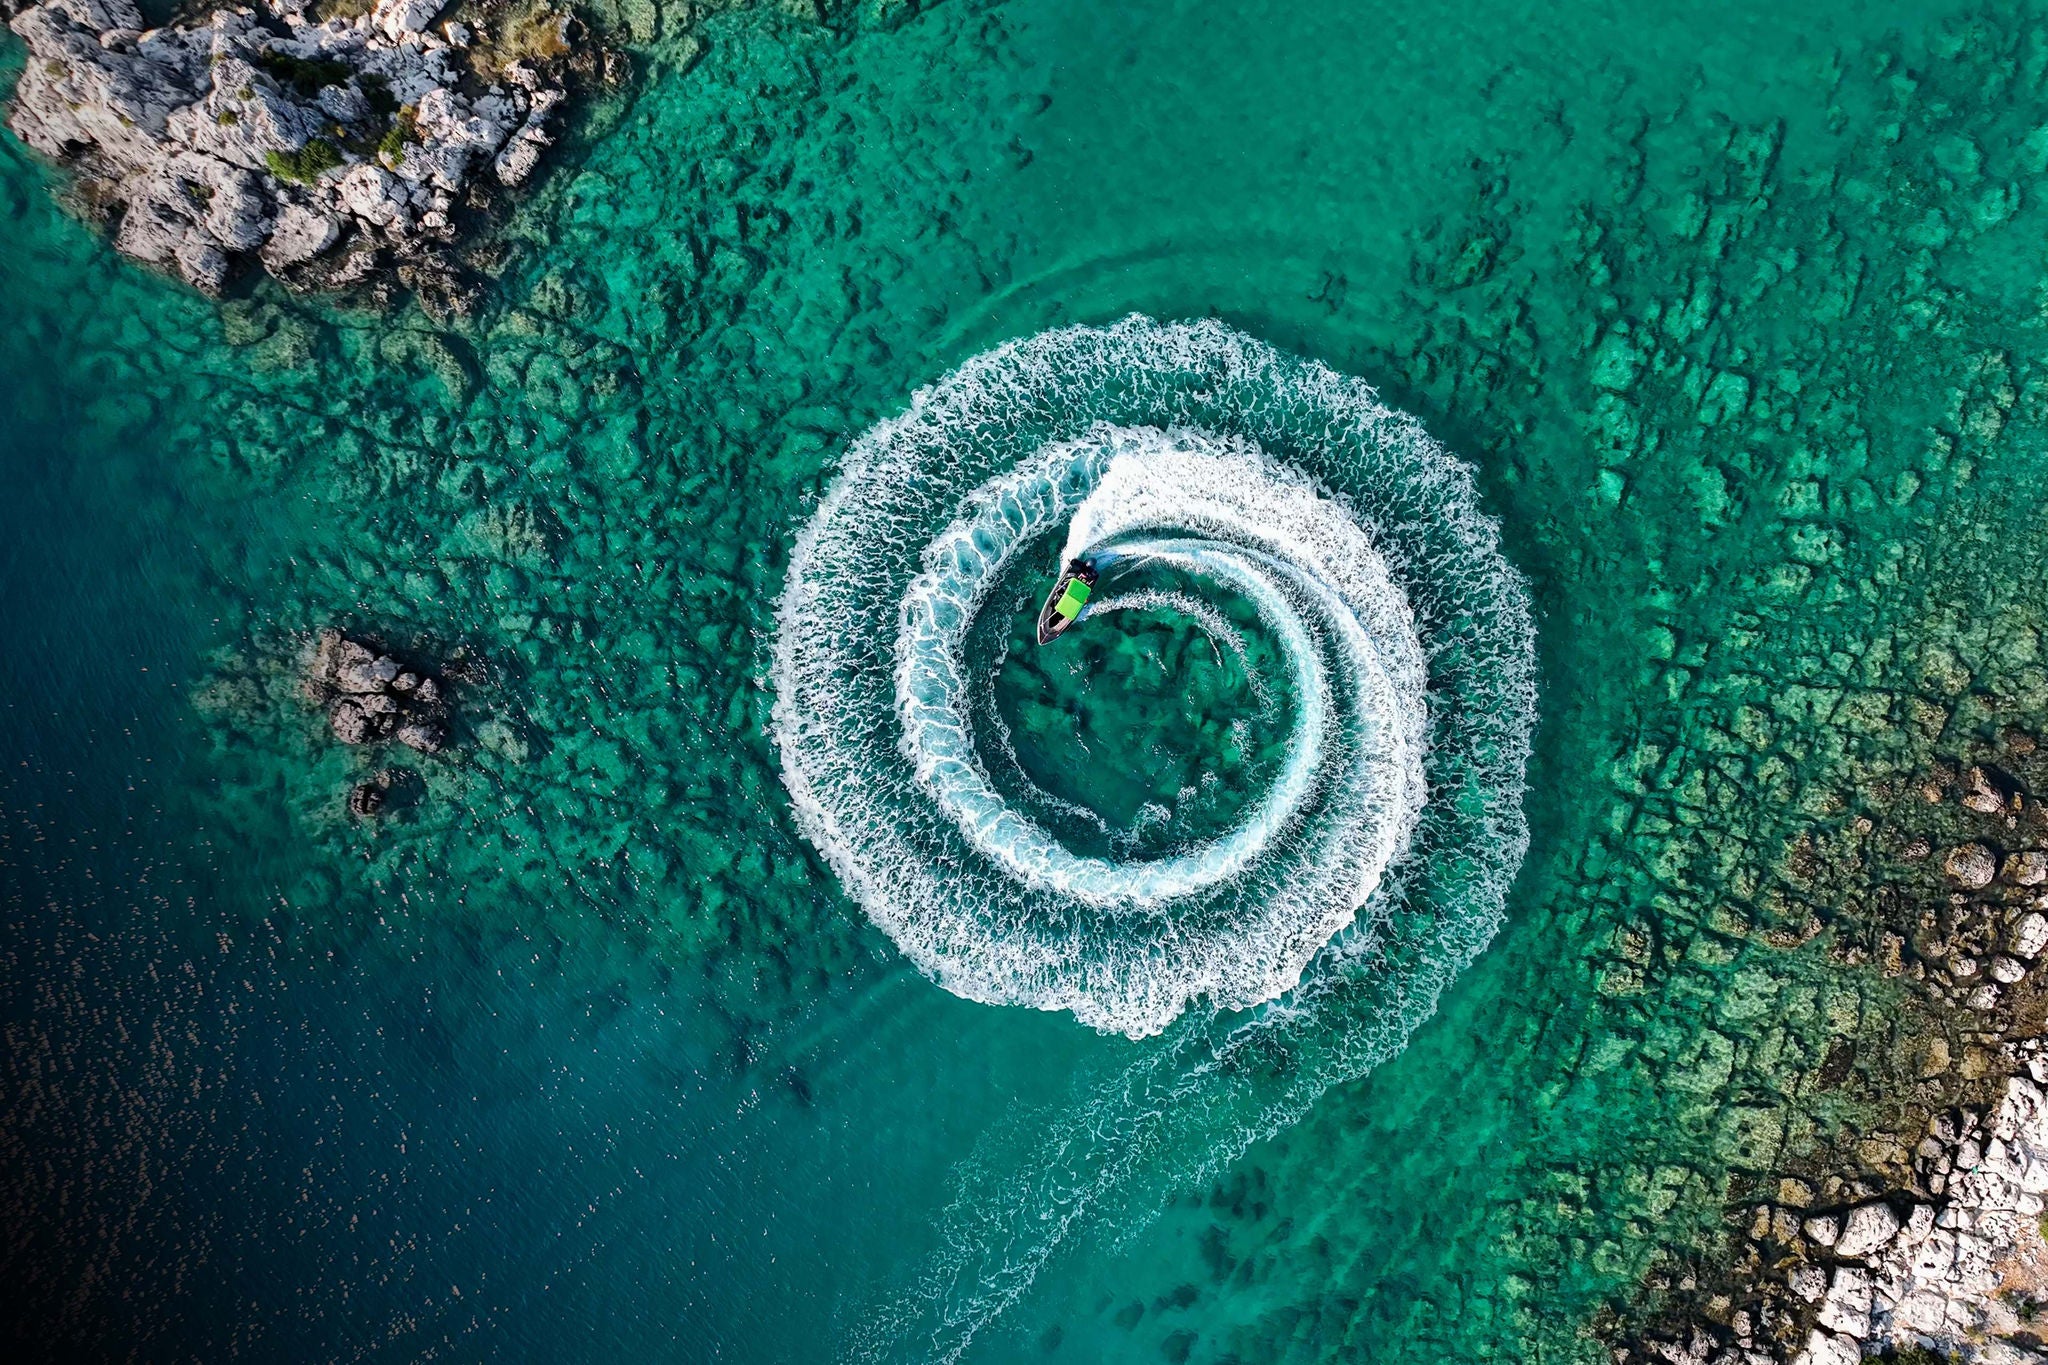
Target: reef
column 347, row 148
column 1916, row 1234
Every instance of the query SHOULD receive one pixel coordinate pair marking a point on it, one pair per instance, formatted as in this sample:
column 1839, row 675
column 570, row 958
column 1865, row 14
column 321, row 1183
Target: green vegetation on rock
column 305, row 165
column 303, row 75
column 392, row 145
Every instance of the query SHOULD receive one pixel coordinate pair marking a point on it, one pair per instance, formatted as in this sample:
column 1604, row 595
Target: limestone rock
column 1846, row 1311
column 2030, row 935
column 428, row 739
column 237, row 214
column 1824, row 1348
column 523, row 149
column 1868, row 1227
column 101, row 15
column 1970, row 865
column 396, row 17
column 372, row 194
column 364, row 674
column 1937, row 1282
column 2029, row 868
column 203, row 265
column 373, row 696
column 455, row 130
column 1983, row 795
column 240, row 116
column 350, row 722
column 300, row 234
column 260, row 133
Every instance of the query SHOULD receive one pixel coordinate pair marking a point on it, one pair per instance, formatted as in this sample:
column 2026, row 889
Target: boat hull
column 1054, row 619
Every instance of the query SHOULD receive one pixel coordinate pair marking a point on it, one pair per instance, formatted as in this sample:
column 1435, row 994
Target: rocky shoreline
column 343, row 148
column 1964, row 1276
column 1830, row 1276
column 1919, row 1238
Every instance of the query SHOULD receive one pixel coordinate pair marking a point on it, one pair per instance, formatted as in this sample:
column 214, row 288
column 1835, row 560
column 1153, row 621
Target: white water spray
column 1352, row 889
column 875, row 677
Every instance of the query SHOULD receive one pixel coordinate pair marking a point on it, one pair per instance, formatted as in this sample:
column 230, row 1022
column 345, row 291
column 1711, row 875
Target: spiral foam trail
column 1294, row 950
column 992, row 904
column 1152, row 452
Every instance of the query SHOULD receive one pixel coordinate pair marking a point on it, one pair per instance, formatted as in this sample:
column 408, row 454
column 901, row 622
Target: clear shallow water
column 587, row 1055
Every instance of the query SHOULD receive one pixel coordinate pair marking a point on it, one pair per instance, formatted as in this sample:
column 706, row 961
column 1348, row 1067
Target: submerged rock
column 328, row 152
column 365, row 799
column 374, row 794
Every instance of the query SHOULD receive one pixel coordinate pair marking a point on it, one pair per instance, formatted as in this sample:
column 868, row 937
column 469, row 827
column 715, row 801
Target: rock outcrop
column 1964, row 1277
column 1961, row 1274
column 371, row 697
column 333, row 153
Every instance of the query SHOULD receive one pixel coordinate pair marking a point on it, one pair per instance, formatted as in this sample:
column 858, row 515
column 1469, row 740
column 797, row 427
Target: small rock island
column 336, row 152
column 370, row 697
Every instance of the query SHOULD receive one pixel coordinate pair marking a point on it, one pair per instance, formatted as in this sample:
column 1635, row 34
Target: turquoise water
column 1736, row 316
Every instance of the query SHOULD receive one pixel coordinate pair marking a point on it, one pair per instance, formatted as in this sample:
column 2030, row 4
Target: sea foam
column 1273, row 483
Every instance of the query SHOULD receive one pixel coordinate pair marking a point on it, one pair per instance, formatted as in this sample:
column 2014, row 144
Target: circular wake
column 1268, row 503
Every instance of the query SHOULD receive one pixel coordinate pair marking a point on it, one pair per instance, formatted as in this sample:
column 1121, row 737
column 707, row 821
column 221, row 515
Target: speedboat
column 1063, row 604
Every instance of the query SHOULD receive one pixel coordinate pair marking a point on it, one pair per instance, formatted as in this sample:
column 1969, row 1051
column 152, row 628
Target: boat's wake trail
column 1369, row 869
